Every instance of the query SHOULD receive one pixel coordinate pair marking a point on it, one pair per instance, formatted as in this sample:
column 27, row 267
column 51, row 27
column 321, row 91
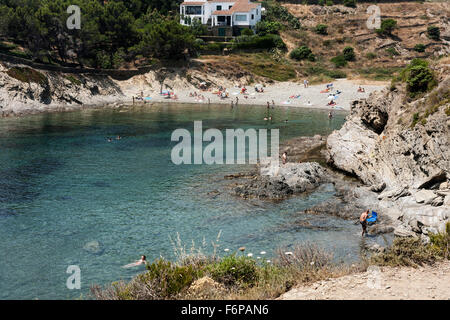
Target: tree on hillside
column 434, row 32
column 349, row 53
column 387, row 26
column 164, row 37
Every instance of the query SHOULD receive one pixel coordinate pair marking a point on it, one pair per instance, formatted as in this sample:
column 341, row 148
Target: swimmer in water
column 143, row 260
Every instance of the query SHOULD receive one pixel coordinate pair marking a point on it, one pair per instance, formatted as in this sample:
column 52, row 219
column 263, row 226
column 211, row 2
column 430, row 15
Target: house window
column 241, row 17
column 218, row 8
column 193, row 10
column 221, row 18
column 253, row 16
column 229, row 7
column 257, row 12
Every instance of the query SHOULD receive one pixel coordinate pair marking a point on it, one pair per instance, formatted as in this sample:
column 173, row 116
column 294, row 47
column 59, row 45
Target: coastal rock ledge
column 407, row 161
column 276, row 181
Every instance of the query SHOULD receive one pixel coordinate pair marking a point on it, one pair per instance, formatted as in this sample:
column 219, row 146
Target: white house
column 221, row 14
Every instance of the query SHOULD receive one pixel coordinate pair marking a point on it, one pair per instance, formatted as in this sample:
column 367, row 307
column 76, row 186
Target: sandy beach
column 287, row 94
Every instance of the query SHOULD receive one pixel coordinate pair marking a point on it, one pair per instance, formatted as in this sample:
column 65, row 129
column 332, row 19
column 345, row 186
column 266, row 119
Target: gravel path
column 423, row 283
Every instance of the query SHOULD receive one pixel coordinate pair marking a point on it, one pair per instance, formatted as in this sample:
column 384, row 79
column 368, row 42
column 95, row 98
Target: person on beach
column 268, row 105
column 284, row 157
column 330, row 115
column 273, row 104
column 237, row 101
column 363, row 221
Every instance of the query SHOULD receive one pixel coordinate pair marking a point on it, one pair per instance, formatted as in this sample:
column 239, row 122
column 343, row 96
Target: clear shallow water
column 63, row 185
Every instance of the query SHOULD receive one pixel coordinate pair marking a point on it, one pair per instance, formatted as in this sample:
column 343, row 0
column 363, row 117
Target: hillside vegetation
column 333, row 41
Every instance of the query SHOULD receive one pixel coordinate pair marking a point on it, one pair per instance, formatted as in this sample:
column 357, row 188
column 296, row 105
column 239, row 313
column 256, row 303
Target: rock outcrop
column 406, row 161
column 413, row 156
column 277, row 182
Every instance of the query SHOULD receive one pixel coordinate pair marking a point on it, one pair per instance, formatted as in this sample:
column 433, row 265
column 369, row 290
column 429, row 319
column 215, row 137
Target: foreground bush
column 412, row 252
column 441, row 241
column 406, row 252
column 234, row 270
column 232, row 277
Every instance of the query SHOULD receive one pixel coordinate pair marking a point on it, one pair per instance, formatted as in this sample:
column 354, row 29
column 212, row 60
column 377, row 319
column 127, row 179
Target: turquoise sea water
column 62, row 185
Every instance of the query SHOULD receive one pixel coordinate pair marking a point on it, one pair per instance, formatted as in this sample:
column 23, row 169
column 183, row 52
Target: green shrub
column 170, row 278
column 277, row 12
column 118, row 58
column 321, row 2
column 406, row 252
column 302, row 53
column 371, row 55
column 420, row 79
column 74, row 80
column 327, row 43
column 434, row 32
column 336, row 74
column 268, row 41
column 339, row 61
column 387, row 26
column 233, row 270
column 330, row 3
column 350, row 3
column 103, row 60
column 268, row 27
column 321, row 29
column 415, row 119
column 392, row 51
column 28, row 75
column 247, row 32
column 441, row 241
column 420, row 47
column 349, row 54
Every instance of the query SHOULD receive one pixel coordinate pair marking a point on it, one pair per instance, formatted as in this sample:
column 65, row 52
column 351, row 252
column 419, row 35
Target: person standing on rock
column 363, row 221
column 284, row 157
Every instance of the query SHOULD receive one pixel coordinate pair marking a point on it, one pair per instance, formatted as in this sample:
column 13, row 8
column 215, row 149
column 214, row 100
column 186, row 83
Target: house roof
column 244, row 6
column 239, row 6
column 193, row 3
column 222, row 13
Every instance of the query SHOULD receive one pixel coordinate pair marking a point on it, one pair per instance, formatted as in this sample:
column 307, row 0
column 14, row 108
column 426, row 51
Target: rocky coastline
column 374, row 162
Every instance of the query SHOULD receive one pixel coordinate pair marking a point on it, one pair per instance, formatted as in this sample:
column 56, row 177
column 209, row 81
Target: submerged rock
column 94, row 247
